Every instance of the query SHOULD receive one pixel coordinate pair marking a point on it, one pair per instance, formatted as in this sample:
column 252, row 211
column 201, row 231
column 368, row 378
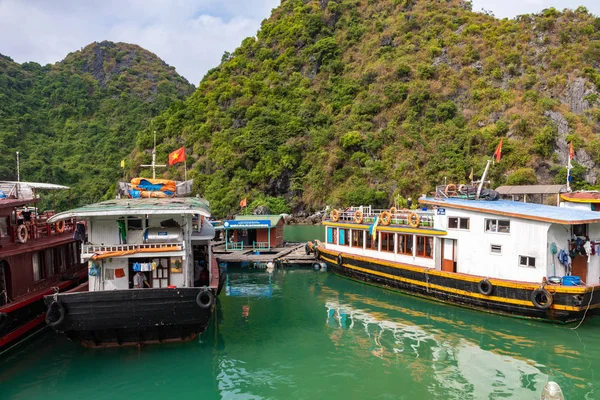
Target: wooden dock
column 291, row 253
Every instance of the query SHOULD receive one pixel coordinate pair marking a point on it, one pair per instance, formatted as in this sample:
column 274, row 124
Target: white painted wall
column 103, row 231
column 117, row 283
column 526, row 237
column 594, row 263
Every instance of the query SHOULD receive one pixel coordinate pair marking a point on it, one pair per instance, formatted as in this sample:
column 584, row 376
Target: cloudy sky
column 190, row 35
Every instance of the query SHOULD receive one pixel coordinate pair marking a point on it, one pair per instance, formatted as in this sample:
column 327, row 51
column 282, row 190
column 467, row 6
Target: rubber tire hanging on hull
column 537, row 303
column 485, row 287
column 201, row 297
column 61, row 314
column 340, row 260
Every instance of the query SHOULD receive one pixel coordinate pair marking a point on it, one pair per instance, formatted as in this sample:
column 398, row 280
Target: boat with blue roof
column 466, row 247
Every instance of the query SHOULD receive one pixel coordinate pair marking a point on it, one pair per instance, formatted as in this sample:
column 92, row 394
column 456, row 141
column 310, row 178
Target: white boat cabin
column 496, row 239
column 168, row 240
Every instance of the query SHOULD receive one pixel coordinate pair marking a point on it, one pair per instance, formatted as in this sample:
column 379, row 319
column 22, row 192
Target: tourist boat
column 501, row 256
column 37, row 258
column 156, row 241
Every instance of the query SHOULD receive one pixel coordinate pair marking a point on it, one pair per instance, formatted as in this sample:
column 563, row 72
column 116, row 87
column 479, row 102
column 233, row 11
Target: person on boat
column 139, row 280
column 408, row 203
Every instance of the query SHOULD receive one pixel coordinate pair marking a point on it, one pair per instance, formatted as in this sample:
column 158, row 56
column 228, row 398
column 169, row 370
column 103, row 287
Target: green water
column 305, row 334
column 303, row 233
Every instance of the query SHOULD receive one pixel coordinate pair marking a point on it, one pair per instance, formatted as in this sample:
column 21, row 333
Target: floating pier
column 290, row 253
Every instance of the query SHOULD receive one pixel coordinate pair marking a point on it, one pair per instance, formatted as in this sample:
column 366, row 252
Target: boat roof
column 530, row 211
column 531, row 189
column 10, row 203
column 151, row 206
column 581, row 197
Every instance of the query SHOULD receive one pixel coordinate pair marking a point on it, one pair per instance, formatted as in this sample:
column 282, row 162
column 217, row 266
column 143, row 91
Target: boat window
column 62, row 262
column 75, row 252
column 357, row 238
column 3, row 227
column 344, row 237
column 525, row 261
column 458, row 223
column 372, row 242
column 496, row 249
column 37, row 271
column 49, row 262
column 424, row 246
column 332, row 235
column 497, row 225
column 405, row 244
column 387, row 242
column 134, row 223
column 580, row 230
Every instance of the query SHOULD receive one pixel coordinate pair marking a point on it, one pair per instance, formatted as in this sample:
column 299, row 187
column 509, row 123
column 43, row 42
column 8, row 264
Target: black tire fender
column 485, row 287
column 537, row 298
column 205, row 298
column 340, row 260
column 61, row 314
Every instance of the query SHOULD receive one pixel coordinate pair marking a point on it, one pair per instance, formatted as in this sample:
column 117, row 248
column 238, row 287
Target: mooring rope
column 586, row 310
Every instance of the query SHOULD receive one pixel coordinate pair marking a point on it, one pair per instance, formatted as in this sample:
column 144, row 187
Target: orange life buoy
column 22, row 234
column 414, row 219
column 450, row 190
column 335, row 215
column 358, row 217
column 60, row 226
column 393, row 210
column 385, row 218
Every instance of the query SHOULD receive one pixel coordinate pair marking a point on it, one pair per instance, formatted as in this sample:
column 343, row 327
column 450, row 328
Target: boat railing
column 455, row 191
column 234, row 246
column 94, row 248
column 260, row 246
column 413, row 218
column 39, row 228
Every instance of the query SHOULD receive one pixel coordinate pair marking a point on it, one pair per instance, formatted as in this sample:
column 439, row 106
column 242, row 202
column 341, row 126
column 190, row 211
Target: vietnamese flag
column 498, row 152
column 177, row 156
column 243, row 203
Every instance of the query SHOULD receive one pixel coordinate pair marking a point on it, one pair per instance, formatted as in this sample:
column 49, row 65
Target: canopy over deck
column 152, row 206
column 531, row 211
column 531, row 189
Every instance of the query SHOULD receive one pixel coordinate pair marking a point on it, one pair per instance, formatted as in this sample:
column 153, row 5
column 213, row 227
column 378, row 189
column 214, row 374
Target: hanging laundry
column 587, row 246
column 137, row 267
column 119, row 273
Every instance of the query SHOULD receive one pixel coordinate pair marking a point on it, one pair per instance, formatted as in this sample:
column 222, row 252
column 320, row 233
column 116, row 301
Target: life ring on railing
column 450, row 190
column 340, row 260
column 205, row 298
column 358, row 217
column 50, row 314
column 541, row 298
column 335, row 215
column 60, row 226
column 414, row 219
column 385, row 218
column 485, row 287
column 393, row 210
column 22, row 234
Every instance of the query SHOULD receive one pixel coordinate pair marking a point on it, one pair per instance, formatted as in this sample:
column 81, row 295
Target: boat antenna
column 154, row 164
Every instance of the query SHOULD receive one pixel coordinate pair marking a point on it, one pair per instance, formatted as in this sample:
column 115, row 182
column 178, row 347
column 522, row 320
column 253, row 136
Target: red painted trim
column 17, row 333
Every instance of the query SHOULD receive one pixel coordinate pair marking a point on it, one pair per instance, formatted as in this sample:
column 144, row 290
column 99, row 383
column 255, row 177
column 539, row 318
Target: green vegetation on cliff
column 74, row 121
column 355, row 101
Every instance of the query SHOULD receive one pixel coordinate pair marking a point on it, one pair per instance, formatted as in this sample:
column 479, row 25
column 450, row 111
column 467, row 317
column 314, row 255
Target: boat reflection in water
column 246, row 287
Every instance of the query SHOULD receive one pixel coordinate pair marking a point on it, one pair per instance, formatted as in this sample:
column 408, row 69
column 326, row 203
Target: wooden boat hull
column 507, row 297
column 23, row 318
column 133, row 316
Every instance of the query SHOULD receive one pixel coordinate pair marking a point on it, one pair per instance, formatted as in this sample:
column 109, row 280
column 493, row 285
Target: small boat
column 37, row 258
column 152, row 275
column 500, row 256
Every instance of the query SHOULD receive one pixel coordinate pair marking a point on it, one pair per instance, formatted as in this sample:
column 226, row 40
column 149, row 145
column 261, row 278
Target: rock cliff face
column 356, row 101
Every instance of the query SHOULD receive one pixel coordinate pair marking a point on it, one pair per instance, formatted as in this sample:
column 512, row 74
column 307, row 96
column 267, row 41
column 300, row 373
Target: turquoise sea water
column 304, row 334
column 303, row 233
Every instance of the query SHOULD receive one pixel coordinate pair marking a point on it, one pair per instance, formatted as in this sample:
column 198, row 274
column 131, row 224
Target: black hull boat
column 508, row 297
column 131, row 317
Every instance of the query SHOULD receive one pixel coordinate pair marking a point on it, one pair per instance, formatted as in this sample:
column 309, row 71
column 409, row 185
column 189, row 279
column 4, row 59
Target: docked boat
column 152, row 276
column 499, row 256
column 37, row 258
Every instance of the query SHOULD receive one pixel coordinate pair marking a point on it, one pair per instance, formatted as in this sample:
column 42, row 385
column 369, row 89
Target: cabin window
column 424, row 246
column 387, row 242
column 37, row 271
column 405, row 244
column 580, row 230
column 134, row 223
column 372, row 241
column 3, row 227
column 357, row 238
column 62, row 261
column 75, row 252
column 458, row 223
column 528, row 262
column 497, row 225
column 332, row 235
column 496, row 249
column 344, row 237
column 49, row 262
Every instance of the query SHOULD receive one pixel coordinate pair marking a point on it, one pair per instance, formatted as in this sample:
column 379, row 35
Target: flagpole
column 569, row 166
column 185, row 170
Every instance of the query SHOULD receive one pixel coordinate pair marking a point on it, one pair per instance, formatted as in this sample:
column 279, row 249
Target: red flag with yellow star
column 177, row 156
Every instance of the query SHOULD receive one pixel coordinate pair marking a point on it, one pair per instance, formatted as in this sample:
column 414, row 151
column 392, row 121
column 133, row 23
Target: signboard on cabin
column 441, row 211
column 245, row 224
